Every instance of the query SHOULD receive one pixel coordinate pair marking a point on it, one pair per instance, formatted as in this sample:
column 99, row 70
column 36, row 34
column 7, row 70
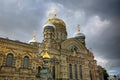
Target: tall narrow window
column 53, row 72
column 80, row 72
column 39, row 68
column 76, row 76
column 1, row 60
column 26, row 62
column 90, row 75
column 70, row 71
column 9, row 59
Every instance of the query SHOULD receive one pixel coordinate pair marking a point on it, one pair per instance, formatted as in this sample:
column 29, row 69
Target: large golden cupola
column 56, row 21
column 60, row 27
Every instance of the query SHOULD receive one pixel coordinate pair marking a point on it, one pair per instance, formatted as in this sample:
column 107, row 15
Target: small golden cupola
column 34, row 39
column 46, row 56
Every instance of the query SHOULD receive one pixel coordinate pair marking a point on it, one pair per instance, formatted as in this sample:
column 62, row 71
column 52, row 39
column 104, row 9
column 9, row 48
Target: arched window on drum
column 26, row 62
column 9, row 59
column 1, row 57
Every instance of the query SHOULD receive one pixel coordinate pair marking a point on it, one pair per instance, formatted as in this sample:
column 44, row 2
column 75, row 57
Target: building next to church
column 69, row 59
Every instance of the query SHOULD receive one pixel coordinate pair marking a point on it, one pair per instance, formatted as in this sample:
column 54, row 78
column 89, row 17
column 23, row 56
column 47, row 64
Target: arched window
column 9, row 59
column 1, row 57
column 80, row 72
column 74, row 48
column 90, row 75
column 56, row 35
column 70, row 71
column 26, row 62
column 39, row 68
column 53, row 72
column 76, row 75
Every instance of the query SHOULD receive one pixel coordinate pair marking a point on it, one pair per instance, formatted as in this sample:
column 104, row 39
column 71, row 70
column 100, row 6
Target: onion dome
column 79, row 34
column 55, row 20
column 34, row 39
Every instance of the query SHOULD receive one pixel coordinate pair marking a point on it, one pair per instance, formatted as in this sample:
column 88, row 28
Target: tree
column 106, row 75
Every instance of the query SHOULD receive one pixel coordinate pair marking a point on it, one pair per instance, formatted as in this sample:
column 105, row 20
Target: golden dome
column 56, row 21
column 46, row 56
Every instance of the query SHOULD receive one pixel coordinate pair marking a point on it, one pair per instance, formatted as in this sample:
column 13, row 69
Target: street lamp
column 44, row 72
column 46, row 59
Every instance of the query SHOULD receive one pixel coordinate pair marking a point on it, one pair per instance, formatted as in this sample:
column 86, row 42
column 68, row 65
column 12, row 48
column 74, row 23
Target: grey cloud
column 107, row 45
column 22, row 17
column 107, row 42
column 105, row 8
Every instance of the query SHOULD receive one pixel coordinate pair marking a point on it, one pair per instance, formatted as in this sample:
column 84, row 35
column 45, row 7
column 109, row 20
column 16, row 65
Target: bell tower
column 49, row 35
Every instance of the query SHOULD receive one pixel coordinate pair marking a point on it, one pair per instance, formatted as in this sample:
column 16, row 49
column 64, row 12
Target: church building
column 55, row 58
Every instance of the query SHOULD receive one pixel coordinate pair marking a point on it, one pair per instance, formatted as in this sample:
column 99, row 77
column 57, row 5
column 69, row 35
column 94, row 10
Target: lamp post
column 47, row 65
column 46, row 59
column 45, row 73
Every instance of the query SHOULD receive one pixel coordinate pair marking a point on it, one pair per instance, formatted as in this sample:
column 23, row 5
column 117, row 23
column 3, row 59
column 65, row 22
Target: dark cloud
column 17, row 17
column 99, row 19
column 107, row 43
column 105, row 8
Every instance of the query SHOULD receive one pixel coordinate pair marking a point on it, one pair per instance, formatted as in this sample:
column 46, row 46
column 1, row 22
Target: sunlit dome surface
column 56, row 21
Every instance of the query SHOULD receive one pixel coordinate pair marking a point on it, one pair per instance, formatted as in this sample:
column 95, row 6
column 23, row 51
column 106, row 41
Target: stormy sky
column 99, row 20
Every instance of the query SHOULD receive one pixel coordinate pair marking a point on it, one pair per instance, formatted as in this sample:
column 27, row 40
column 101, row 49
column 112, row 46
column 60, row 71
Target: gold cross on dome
column 48, row 15
column 78, row 28
column 55, row 13
column 34, row 36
